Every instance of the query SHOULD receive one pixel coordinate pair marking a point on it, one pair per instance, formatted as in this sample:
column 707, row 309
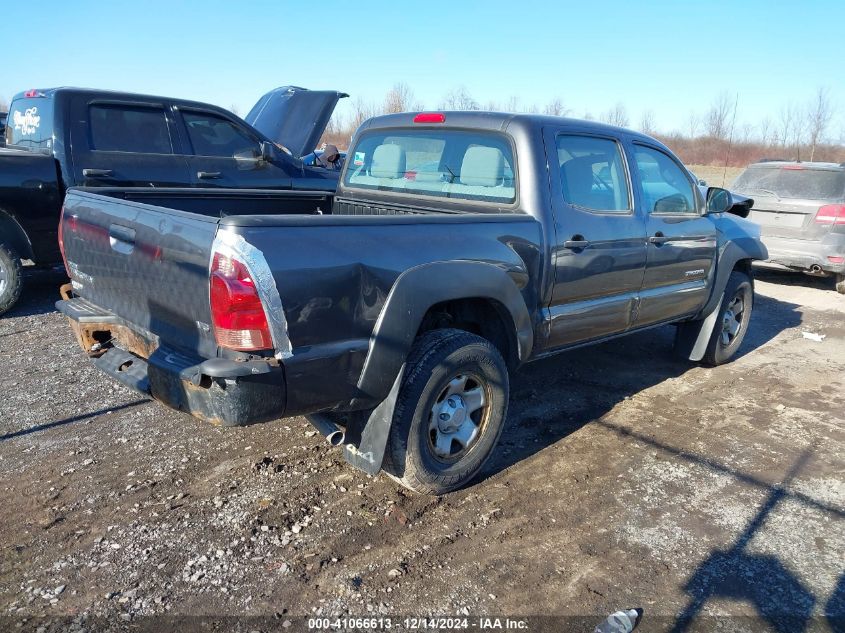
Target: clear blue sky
column 671, row 57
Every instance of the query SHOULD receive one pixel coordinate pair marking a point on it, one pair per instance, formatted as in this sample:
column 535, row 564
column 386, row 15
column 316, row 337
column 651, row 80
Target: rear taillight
column 236, row 309
column 62, row 240
column 831, row 214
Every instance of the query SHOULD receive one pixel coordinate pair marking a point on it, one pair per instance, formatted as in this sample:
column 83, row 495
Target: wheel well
column 12, row 233
column 486, row 317
column 744, row 265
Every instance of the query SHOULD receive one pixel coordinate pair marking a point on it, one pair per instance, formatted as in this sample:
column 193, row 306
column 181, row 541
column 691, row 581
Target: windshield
column 793, row 182
column 455, row 164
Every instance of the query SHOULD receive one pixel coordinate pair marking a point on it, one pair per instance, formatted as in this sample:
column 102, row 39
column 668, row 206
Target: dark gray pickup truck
column 457, row 247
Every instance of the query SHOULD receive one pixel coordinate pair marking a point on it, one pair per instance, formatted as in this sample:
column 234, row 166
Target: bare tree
column 555, row 108
column 588, row 116
column 647, row 125
column 512, row 104
column 791, row 126
column 765, row 127
column 693, row 124
column 399, row 99
column 4, row 105
column 718, row 117
column 234, row 109
column 617, row 115
column 459, row 99
column 819, row 115
column 361, row 111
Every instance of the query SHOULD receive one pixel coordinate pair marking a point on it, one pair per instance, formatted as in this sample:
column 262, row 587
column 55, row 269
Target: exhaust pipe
column 334, row 435
column 815, row 269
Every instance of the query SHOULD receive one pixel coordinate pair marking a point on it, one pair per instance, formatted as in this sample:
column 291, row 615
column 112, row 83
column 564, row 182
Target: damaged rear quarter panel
column 334, row 274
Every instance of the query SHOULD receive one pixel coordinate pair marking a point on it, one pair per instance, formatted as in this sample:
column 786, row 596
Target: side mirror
column 267, row 151
column 718, row 200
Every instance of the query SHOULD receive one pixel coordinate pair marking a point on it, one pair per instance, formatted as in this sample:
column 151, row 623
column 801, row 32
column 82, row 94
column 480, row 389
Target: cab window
column 125, row 128
column 592, row 174
column 665, row 186
column 212, row 135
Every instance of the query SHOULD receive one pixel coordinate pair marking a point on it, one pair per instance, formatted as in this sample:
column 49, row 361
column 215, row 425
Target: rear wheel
column 449, row 413
column 840, row 283
column 734, row 317
column 11, row 278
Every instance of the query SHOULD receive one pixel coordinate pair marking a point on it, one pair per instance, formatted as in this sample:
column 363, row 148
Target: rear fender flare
column 13, row 233
column 414, row 292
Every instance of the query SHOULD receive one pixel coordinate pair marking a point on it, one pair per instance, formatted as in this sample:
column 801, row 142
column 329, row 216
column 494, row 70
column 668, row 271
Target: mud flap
column 692, row 337
column 368, row 455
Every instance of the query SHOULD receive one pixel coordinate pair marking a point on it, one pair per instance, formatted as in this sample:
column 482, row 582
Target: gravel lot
column 625, row 478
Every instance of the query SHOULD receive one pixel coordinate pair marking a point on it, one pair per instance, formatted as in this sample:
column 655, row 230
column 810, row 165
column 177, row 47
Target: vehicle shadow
column 76, row 418
column 39, row 295
column 794, row 278
column 554, row 397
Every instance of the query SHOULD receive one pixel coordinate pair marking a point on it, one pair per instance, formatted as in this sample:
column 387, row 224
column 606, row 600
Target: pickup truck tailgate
column 146, row 265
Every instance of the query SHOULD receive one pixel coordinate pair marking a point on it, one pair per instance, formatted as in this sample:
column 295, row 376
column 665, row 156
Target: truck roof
column 488, row 120
column 51, row 93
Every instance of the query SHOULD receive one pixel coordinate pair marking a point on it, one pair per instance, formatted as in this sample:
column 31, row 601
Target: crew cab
column 65, row 137
column 459, row 246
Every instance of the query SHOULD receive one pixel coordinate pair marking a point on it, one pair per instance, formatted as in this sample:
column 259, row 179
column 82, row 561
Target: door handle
column 97, row 173
column 208, row 175
column 658, row 238
column 577, row 242
column 121, row 238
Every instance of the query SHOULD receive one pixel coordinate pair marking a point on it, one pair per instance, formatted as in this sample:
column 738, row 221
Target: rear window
column 452, row 164
column 812, row 184
column 122, row 128
column 30, row 124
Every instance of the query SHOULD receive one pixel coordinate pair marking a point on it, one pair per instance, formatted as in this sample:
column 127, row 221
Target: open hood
column 294, row 117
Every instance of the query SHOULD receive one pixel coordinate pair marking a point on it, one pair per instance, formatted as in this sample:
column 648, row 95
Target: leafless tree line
column 798, row 130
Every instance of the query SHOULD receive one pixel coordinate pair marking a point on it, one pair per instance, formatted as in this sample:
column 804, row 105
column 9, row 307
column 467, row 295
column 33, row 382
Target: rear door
column 125, row 143
column 600, row 254
column 225, row 153
column 681, row 241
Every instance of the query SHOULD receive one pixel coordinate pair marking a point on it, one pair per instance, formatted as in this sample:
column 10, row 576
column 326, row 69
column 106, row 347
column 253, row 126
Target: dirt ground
column 712, row 498
column 715, row 175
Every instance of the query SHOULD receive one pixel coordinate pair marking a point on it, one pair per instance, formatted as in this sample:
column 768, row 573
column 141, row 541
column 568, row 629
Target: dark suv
column 800, row 208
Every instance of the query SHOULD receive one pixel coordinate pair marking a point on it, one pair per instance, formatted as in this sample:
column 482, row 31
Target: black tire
column 11, row 277
column 840, row 283
column 724, row 342
column 437, row 364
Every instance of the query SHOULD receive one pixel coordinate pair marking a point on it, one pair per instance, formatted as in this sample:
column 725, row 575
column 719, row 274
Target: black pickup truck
column 66, row 137
column 458, row 247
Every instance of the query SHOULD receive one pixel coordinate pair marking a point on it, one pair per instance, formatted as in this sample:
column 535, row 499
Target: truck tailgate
column 147, row 265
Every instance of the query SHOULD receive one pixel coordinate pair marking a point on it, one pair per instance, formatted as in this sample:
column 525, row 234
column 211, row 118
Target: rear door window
column 793, row 182
column 129, row 128
column 30, row 124
column 454, row 164
column 592, row 174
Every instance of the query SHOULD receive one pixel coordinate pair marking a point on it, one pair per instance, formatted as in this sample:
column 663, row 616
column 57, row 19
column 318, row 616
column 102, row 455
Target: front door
column 600, row 251
column 681, row 240
column 227, row 154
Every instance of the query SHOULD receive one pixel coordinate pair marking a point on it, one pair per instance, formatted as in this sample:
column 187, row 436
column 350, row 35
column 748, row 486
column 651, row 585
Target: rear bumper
column 803, row 255
column 221, row 391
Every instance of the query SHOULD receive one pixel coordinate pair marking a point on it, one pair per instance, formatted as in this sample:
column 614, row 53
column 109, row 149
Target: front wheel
column 733, row 321
column 450, row 411
column 11, row 277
